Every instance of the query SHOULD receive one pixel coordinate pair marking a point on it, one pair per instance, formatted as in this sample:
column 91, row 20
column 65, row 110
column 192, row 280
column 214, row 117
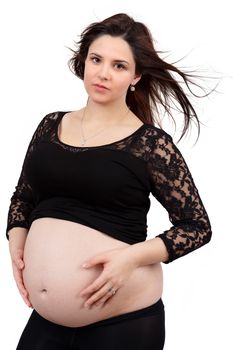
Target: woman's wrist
column 17, row 238
column 151, row 251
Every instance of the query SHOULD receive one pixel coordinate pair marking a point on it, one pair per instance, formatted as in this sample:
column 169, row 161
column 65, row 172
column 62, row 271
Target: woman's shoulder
column 48, row 121
column 156, row 133
column 51, row 118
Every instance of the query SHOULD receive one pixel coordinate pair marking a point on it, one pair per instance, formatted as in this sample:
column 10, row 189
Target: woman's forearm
column 17, row 238
column 149, row 252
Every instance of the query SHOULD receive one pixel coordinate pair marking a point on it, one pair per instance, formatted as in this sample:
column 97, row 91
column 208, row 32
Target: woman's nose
column 104, row 72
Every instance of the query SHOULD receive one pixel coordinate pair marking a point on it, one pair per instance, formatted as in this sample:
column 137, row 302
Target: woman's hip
column 139, row 329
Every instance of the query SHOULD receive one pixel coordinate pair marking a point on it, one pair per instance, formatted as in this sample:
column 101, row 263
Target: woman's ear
column 136, row 79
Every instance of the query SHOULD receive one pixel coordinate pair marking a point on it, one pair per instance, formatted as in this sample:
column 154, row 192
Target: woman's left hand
column 118, row 265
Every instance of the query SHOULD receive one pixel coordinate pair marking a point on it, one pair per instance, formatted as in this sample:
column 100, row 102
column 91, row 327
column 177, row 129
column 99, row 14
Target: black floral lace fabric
column 174, row 188
column 170, row 179
column 24, row 198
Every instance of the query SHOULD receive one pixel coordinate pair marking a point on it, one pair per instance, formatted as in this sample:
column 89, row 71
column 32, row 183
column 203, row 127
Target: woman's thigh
column 40, row 334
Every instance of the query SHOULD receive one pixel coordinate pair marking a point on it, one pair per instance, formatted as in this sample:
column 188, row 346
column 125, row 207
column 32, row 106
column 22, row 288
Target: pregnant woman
column 77, row 220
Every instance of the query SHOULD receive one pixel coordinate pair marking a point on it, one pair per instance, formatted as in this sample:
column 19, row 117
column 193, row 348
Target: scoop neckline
column 99, row 146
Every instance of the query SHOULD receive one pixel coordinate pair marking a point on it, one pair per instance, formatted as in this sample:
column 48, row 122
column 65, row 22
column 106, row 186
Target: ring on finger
column 113, row 291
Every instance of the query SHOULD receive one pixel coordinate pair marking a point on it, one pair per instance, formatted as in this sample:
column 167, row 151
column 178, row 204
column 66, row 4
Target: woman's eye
column 120, row 66
column 95, row 59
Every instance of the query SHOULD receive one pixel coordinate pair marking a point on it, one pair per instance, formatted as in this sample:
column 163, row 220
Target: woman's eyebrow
column 116, row 60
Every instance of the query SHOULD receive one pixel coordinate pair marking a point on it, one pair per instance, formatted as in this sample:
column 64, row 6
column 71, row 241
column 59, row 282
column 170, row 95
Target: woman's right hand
column 17, row 239
column 18, row 266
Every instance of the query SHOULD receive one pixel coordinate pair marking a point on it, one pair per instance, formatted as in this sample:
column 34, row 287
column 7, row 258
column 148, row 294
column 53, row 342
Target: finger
column 25, row 295
column 103, row 301
column 18, row 278
column 20, row 285
column 18, row 261
column 98, row 259
column 107, row 299
column 22, row 289
column 20, row 264
column 96, row 285
column 105, row 292
column 26, row 300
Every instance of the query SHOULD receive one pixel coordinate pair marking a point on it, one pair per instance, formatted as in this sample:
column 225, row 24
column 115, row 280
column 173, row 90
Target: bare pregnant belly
column 54, row 252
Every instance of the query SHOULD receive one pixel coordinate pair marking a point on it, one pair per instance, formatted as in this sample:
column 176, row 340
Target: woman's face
column 109, row 69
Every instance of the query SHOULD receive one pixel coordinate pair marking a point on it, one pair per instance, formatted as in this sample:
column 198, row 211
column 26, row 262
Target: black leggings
column 135, row 330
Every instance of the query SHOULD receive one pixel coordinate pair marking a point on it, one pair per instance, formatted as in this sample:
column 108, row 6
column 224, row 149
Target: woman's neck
column 105, row 114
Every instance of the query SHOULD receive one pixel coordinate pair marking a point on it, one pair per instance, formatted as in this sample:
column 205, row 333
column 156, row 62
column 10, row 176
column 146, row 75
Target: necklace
column 85, row 139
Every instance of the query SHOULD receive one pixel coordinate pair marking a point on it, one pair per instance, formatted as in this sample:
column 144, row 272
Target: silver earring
column 132, row 88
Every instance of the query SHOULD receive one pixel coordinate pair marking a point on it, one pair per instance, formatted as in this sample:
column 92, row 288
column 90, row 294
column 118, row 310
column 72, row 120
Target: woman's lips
column 100, row 87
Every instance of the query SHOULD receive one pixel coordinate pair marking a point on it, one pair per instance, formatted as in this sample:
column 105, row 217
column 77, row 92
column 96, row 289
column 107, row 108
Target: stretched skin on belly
column 54, row 252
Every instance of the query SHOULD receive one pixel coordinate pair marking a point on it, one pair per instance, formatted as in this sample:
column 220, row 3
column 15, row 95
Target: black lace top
column 107, row 187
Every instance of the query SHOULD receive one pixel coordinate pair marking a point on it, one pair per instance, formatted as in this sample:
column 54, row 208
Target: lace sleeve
column 23, row 199
column 174, row 188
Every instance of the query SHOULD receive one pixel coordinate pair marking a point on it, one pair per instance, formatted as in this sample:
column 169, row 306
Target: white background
column 35, row 80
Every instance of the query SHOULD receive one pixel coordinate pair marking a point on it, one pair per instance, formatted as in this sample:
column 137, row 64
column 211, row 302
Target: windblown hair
column 157, row 87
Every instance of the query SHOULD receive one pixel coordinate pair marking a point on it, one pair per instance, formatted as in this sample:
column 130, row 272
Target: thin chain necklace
column 85, row 139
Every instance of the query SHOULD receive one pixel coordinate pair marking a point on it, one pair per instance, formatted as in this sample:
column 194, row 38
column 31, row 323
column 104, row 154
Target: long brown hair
column 157, row 86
